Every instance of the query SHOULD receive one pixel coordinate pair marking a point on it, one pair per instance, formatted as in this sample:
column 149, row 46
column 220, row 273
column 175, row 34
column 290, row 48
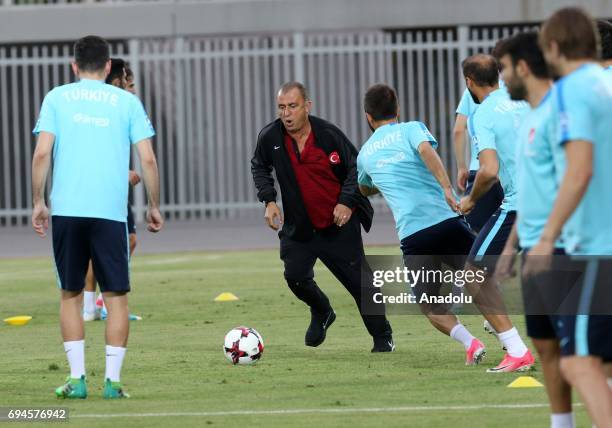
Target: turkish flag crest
column 531, row 135
column 334, row 158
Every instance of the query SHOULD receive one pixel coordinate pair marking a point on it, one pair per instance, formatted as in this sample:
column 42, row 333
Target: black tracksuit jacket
column 328, row 137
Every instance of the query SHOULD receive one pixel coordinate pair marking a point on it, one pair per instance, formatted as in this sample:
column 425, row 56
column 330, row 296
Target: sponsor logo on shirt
column 507, row 106
column 391, row 160
column 83, row 119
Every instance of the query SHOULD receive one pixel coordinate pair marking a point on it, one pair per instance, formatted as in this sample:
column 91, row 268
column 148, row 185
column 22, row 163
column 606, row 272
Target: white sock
column 513, row 342
column 114, row 361
column 89, row 301
column 562, row 420
column 75, row 352
column 462, row 335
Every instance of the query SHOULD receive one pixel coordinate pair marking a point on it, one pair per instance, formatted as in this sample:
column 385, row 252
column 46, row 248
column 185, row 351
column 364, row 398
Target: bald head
column 481, row 69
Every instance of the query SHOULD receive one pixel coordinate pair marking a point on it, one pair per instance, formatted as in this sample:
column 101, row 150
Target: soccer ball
column 243, row 345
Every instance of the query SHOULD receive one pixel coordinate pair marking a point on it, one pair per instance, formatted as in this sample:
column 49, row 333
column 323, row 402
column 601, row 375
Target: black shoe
column 319, row 323
column 383, row 344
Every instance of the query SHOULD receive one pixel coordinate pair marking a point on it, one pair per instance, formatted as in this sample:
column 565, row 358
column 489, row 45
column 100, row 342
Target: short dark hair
column 495, row 52
column 287, row 86
column 574, row 31
column 380, row 102
column 91, row 53
column 128, row 71
column 117, row 70
column 524, row 46
column 482, row 69
column 605, row 34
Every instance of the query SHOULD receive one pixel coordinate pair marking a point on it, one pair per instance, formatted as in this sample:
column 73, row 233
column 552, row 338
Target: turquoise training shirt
column 94, row 125
column 583, row 102
column 495, row 126
column 390, row 161
column 540, row 166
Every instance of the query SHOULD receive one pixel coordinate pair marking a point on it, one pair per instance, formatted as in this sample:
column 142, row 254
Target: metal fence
column 54, row 2
column 208, row 97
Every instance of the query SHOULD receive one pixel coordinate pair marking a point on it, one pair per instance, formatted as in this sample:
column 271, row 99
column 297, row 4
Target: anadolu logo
column 334, row 158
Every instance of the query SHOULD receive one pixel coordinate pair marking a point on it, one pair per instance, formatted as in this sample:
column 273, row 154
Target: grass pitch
column 177, row 375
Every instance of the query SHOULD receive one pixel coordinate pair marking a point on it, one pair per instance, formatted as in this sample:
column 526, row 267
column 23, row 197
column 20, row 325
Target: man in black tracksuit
column 315, row 166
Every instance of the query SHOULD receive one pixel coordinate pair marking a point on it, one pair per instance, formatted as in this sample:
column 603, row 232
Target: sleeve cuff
column 345, row 200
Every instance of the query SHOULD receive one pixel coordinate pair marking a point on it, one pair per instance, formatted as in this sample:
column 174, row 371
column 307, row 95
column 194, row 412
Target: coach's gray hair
column 286, row 87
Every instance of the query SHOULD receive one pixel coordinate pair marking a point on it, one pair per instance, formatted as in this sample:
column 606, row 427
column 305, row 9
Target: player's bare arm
column 434, row 165
column 459, row 146
column 40, row 168
column 486, row 177
column 150, row 175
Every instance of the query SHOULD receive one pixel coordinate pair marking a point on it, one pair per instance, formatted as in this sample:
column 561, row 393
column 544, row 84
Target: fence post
column 180, row 131
column 463, row 41
column 298, row 56
column 138, row 191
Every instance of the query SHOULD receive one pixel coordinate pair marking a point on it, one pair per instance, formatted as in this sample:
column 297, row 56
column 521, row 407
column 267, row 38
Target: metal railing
column 209, row 96
column 64, row 2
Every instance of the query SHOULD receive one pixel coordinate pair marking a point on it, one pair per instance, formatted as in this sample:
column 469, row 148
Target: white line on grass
column 175, row 260
column 322, row 411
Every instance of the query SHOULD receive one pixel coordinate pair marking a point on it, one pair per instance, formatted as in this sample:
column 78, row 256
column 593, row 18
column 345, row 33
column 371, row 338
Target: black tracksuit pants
column 341, row 250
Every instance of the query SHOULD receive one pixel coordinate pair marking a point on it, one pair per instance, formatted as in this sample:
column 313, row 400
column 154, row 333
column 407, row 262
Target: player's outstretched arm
column 459, row 146
column 434, row 164
column 41, row 161
column 486, row 177
column 150, row 173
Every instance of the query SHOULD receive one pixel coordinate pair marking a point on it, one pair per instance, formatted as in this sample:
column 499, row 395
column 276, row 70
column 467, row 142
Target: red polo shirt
column 319, row 186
